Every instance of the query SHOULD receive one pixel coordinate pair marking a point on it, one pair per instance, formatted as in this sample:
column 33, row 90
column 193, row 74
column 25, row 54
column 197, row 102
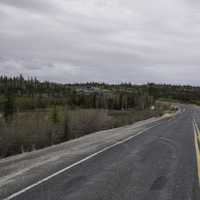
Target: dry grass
column 35, row 130
column 85, row 121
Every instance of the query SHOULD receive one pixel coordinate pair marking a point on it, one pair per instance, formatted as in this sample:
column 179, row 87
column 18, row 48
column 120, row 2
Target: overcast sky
column 101, row 40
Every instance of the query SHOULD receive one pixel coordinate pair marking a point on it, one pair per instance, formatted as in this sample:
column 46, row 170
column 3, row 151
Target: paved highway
column 161, row 161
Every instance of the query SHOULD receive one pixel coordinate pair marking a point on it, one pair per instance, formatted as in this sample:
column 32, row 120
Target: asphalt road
column 161, row 163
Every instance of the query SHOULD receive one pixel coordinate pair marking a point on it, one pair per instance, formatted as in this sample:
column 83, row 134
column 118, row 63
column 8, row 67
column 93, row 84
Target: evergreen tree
column 9, row 106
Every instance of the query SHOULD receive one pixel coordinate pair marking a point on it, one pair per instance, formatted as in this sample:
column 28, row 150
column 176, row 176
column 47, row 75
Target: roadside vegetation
column 35, row 114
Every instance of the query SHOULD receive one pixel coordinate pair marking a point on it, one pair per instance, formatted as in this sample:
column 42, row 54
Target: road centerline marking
column 16, row 194
column 196, row 143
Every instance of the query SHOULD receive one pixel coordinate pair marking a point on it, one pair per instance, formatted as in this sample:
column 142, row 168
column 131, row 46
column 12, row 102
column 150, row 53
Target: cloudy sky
column 101, row 40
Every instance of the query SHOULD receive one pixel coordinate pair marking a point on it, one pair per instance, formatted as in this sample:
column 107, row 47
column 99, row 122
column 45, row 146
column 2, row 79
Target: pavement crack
column 159, row 183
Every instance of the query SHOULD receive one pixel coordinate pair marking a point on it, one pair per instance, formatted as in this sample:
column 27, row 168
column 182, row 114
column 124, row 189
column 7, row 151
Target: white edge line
column 76, row 163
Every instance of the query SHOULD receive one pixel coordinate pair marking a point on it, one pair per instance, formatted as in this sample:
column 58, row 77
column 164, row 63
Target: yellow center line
column 197, row 131
column 196, row 137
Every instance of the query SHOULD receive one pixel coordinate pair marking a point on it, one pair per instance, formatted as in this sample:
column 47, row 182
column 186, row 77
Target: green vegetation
column 35, row 114
column 33, row 94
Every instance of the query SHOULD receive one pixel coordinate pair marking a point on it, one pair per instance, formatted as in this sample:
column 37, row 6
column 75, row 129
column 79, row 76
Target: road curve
column 152, row 161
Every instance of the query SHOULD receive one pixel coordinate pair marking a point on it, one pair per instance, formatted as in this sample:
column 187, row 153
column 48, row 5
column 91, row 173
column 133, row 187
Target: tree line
column 18, row 93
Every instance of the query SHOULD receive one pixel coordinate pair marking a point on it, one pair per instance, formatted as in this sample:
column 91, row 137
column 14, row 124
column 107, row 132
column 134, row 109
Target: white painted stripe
column 77, row 163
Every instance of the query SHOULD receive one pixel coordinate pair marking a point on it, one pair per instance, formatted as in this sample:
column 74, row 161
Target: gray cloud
column 35, row 6
column 96, row 40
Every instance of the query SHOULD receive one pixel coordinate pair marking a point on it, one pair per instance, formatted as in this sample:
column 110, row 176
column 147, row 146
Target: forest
column 35, row 114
